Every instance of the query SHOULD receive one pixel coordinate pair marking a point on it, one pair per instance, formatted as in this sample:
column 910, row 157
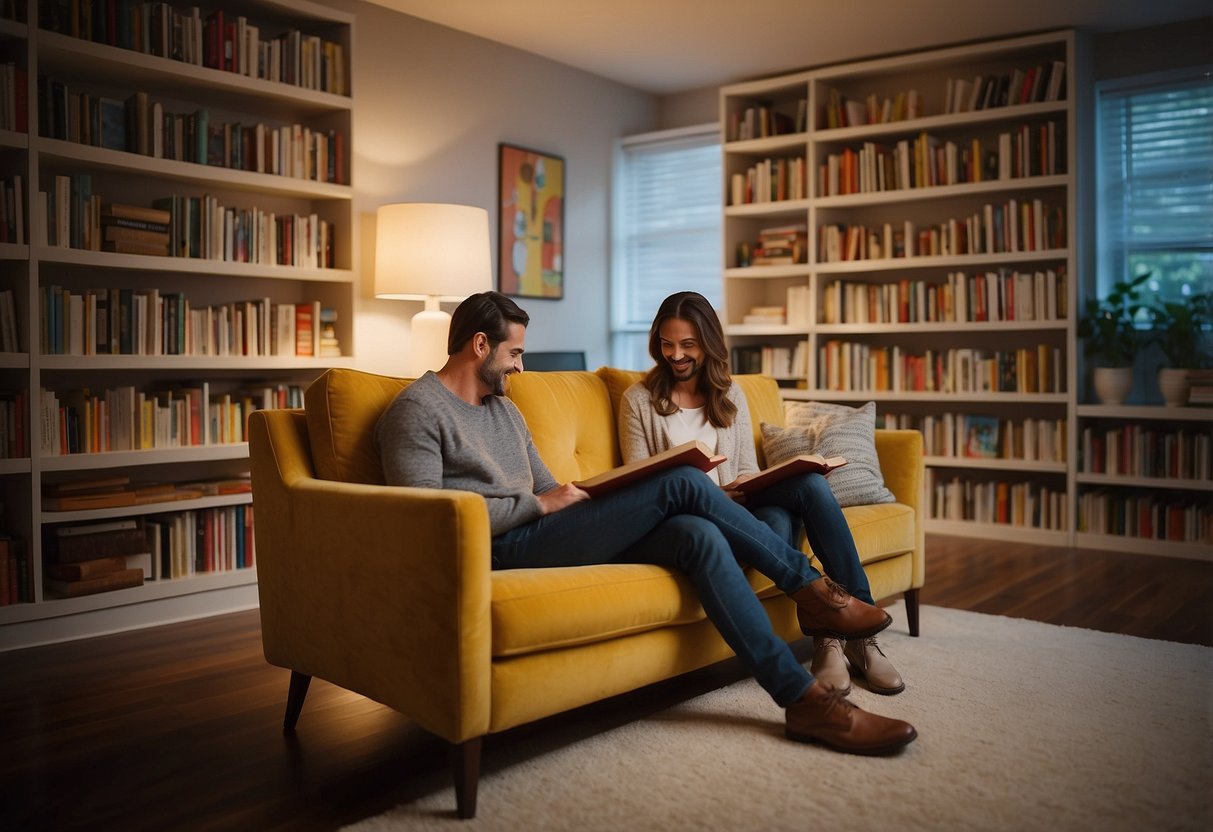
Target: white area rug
column 1021, row 726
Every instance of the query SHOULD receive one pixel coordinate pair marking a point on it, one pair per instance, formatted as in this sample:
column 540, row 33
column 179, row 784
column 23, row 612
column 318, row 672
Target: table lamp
column 431, row 252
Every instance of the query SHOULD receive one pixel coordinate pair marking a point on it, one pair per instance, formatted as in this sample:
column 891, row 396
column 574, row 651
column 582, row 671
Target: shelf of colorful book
column 916, row 195
column 86, row 158
column 102, row 62
column 203, row 268
column 924, row 396
column 188, row 362
column 945, row 121
column 1145, row 482
column 967, row 327
column 193, row 504
column 150, row 456
column 939, row 261
column 996, row 464
column 163, row 589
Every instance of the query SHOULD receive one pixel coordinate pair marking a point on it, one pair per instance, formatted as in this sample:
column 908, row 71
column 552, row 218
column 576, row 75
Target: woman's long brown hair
column 714, row 378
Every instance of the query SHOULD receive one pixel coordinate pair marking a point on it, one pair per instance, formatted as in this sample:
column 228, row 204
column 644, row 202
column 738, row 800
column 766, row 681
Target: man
column 455, row 429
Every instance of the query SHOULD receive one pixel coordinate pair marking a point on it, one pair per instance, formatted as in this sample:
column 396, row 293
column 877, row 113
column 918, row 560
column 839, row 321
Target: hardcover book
column 801, row 464
column 689, row 453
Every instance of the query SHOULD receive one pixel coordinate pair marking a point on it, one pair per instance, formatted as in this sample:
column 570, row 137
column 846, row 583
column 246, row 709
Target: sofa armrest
column 904, row 469
column 382, row 590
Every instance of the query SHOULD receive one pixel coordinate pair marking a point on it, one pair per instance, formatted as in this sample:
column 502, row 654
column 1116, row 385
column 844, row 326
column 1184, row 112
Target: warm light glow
column 431, row 252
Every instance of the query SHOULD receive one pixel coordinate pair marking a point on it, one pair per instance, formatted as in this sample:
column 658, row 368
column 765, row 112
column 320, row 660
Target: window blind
column 669, row 231
column 1155, row 182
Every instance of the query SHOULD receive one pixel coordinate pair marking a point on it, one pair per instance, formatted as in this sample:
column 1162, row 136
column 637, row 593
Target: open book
column 802, row 464
column 688, row 453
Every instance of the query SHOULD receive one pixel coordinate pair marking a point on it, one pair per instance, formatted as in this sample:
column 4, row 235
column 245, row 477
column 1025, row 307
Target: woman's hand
column 731, row 488
column 562, row 496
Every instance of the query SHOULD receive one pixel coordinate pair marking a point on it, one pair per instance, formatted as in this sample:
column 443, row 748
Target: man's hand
column 562, row 496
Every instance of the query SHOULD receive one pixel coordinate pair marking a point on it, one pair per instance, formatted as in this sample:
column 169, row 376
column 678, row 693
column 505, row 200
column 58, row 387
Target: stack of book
column 1200, row 390
column 134, row 229
column 329, row 345
column 88, row 558
column 781, row 245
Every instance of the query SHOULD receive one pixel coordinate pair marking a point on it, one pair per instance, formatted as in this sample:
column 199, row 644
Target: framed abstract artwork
column 530, row 223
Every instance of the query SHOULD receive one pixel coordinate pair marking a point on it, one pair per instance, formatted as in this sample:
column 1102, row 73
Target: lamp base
column 427, row 346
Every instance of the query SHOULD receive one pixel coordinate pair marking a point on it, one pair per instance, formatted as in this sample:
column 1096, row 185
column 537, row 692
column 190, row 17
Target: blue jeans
column 682, row 520
column 807, row 501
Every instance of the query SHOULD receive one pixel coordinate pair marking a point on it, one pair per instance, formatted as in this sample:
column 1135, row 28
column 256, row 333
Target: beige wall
column 431, row 105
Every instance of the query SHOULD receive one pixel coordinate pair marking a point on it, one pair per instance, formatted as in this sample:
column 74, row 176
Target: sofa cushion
column 544, row 609
column 834, row 430
column 571, row 421
column 881, row 531
column 342, row 408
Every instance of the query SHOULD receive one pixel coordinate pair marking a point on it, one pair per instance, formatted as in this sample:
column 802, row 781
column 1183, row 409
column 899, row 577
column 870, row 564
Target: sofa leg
column 911, row 596
column 465, row 765
column 294, row 699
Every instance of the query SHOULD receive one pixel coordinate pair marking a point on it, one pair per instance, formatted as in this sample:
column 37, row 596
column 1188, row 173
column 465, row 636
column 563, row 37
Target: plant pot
column 1112, row 384
column 1173, row 383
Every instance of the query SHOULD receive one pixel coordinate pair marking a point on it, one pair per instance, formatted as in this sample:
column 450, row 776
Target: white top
column 692, row 423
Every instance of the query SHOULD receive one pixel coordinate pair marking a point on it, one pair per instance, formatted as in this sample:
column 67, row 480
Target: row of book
column 928, row 161
column 221, row 40
column 771, row 180
column 12, row 210
column 13, row 415
column 841, row 110
column 182, row 226
column 88, row 558
column 981, row 436
column 780, row 363
column 855, row 366
column 125, row 418
column 1024, row 504
column 1146, row 515
column 119, row 491
column 140, row 125
column 1008, row 227
column 14, row 108
column 1042, row 82
column 16, row 577
column 780, row 245
column 997, row 295
column 10, row 336
column 761, row 120
column 148, row 322
column 1132, row 450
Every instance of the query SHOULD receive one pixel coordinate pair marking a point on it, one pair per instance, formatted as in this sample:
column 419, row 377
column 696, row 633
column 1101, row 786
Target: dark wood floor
column 179, row 727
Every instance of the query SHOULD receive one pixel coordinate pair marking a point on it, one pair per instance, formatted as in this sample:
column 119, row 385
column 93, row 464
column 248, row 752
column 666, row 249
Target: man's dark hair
column 488, row 312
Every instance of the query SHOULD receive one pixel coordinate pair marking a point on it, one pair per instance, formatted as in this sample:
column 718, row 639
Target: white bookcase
column 842, row 356
column 29, row 266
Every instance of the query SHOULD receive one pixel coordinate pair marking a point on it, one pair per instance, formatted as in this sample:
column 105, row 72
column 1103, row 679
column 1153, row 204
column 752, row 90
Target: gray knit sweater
column 430, row 438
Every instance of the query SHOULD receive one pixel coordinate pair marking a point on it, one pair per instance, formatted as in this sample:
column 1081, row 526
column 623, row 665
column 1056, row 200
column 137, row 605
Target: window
column 668, row 231
column 1154, row 183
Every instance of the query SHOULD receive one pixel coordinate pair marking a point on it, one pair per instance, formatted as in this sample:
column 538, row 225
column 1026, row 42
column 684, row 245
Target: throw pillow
column 833, row 430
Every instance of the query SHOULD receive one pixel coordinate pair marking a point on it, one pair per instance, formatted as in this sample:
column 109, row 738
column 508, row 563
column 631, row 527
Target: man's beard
column 492, row 374
column 685, row 374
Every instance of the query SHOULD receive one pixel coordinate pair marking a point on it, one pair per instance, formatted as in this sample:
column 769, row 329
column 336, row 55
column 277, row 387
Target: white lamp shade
column 427, row 250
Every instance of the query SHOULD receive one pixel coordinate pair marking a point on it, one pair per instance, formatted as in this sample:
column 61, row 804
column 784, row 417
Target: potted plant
column 1178, row 329
column 1109, row 333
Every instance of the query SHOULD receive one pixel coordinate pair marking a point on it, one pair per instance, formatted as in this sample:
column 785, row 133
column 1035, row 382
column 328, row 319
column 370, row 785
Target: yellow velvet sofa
column 388, row 591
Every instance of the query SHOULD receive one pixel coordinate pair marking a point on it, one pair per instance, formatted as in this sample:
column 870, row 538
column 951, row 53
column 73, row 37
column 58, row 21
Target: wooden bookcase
column 854, row 359
column 94, row 67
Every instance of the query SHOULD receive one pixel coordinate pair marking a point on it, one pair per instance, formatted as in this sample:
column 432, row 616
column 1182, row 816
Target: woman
column 689, row 394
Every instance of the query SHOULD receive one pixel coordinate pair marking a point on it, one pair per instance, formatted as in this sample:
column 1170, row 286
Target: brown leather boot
column 826, row 609
column 824, row 715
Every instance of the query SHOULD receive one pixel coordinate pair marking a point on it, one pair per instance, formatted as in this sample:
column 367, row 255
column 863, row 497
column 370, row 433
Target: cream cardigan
column 642, row 432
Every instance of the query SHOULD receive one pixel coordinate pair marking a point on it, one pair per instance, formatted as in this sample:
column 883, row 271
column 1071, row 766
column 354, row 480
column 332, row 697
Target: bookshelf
column 941, row 238
column 257, row 155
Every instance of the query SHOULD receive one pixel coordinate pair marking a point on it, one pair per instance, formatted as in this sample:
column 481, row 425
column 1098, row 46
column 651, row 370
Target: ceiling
column 671, row 46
